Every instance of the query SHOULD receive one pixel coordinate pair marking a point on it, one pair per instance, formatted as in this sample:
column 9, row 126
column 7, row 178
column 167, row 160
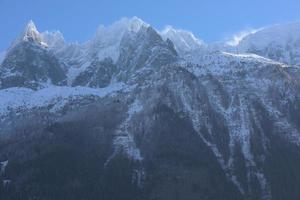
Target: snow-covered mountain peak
column 107, row 39
column 133, row 24
column 183, row 40
column 279, row 42
column 279, row 34
column 30, row 30
column 30, row 34
column 117, row 29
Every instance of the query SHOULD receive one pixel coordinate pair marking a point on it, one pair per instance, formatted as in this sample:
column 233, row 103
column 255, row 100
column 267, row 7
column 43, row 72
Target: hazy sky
column 210, row 20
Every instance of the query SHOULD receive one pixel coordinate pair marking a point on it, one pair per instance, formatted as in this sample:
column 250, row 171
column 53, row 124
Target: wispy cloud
column 238, row 37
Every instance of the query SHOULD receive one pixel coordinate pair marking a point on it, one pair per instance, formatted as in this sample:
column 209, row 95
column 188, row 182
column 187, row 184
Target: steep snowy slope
column 279, row 42
column 107, row 40
column 16, row 99
column 145, row 49
column 184, row 41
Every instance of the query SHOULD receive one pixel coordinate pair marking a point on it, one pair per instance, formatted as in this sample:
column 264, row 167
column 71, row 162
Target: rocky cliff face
column 150, row 122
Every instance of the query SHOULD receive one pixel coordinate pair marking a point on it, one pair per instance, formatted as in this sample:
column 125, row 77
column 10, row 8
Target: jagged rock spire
column 30, row 34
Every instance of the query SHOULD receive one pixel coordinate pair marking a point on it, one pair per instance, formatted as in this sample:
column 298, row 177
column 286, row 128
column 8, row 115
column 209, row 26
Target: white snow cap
column 115, row 31
column 182, row 39
column 130, row 24
column 277, row 34
column 107, row 39
column 30, row 34
column 30, row 30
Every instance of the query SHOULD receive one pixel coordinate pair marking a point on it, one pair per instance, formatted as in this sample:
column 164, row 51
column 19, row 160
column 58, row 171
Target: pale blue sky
column 210, row 20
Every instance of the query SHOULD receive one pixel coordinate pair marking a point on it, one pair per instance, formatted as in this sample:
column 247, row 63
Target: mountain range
column 136, row 113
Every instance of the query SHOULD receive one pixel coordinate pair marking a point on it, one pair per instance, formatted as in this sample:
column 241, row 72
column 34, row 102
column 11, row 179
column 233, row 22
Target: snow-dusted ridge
column 107, row 39
column 182, row 39
column 106, row 42
column 279, row 33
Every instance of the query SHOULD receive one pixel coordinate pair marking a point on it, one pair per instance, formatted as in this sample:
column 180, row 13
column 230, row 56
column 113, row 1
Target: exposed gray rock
column 99, row 74
column 30, row 65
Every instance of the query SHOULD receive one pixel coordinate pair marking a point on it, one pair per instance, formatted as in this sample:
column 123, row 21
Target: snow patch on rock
column 124, row 139
column 3, row 166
